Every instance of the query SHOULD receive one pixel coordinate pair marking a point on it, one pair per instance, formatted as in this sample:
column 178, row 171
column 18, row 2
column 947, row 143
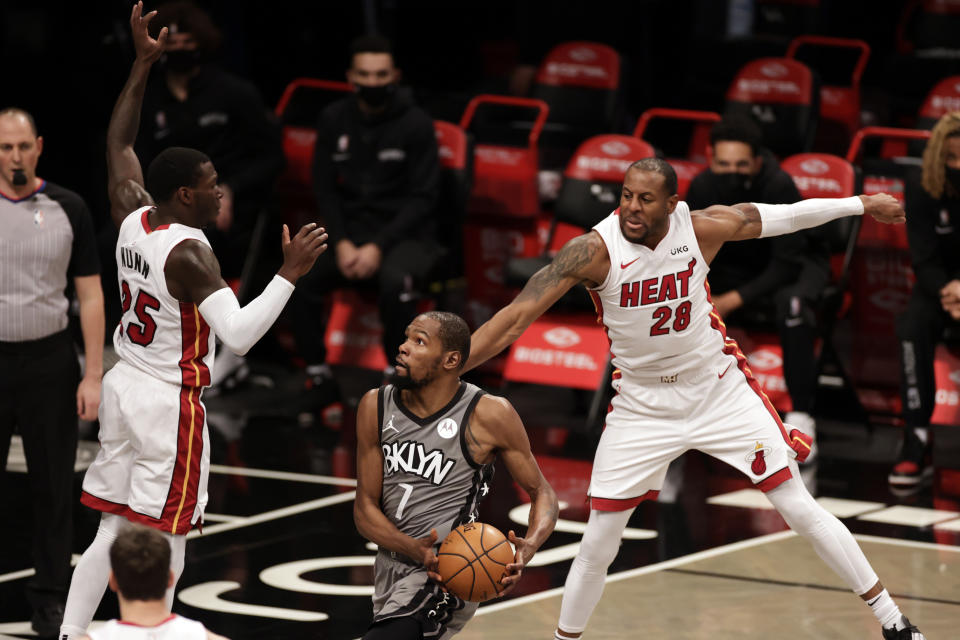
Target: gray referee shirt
column 46, row 240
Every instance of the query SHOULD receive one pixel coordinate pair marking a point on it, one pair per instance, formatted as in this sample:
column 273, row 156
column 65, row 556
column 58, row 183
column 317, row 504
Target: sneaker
column 46, row 620
column 906, row 631
column 912, row 470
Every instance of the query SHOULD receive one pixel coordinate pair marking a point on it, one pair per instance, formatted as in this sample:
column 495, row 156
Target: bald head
column 21, row 116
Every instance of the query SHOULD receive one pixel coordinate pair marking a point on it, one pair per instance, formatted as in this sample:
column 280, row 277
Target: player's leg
column 836, row 546
column 796, row 321
column 642, row 435
column 403, row 628
column 178, row 548
column 588, row 573
column 90, row 578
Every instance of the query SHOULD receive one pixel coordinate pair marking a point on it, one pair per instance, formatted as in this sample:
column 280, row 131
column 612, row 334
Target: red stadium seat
column 690, row 160
column 839, row 103
column 943, row 98
column 881, row 274
column 580, row 82
column 505, row 171
column 298, row 109
column 782, row 96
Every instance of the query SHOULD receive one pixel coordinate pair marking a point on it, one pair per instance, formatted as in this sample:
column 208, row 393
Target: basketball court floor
column 279, row 557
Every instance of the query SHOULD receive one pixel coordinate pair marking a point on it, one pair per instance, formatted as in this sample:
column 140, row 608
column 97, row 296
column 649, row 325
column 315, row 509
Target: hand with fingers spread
column 524, row 553
column 148, row 49
column 884, row 208
column 301, row 251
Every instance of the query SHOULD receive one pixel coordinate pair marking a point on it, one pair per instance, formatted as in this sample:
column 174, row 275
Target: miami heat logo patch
column 757, row 458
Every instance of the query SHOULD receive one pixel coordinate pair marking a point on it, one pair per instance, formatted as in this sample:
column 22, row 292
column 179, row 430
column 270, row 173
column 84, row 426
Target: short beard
column 409, row 383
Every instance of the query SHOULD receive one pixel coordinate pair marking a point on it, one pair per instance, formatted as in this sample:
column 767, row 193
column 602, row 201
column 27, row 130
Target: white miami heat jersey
column 173, row 628
column 654, row 302
column 158, row 334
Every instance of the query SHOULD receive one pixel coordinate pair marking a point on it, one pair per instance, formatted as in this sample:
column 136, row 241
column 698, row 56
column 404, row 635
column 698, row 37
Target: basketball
column 472, row 561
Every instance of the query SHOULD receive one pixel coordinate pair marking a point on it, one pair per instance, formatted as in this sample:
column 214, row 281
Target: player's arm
column 718, row 224
column 193, row 275
column 495, row 420
column 124, row 174
column 582, row 260
column 371, row 522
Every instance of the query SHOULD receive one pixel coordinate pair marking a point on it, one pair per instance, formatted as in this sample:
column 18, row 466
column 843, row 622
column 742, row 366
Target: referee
column 46, row 243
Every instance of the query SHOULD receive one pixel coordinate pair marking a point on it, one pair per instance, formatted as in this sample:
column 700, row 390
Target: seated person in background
column 779, row 277
column 933, row 230
column 376, row 175
column 201, row 106
column 140, row 574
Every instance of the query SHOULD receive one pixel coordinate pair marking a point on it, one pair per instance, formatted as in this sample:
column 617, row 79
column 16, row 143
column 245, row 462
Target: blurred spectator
column 201, row 106
column 778, row 279
column 140, row 574
column 933, row 229
column 376, row 177
column 46, row 246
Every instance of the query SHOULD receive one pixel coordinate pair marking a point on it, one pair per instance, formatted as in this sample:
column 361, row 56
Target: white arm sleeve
column 238, row 328
column 779, row 219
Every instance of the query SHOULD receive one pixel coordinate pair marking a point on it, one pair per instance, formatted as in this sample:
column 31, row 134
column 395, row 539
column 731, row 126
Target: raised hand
column 884, row 208
column 148, row 49
column 301, row 251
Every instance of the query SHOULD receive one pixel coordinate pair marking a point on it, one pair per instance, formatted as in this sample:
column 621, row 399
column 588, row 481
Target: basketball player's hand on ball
column 884, row 208
column 524, row 552
column 301, row 251
column 426, row 555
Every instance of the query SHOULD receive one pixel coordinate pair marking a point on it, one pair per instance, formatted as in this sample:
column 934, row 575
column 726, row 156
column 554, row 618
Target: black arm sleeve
column 423, row 181
column 329, row 204
column 921, row 219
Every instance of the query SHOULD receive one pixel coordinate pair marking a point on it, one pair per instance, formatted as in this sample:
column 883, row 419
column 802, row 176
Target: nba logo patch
column 38, row 218
column 161, row 120
column 343, row 142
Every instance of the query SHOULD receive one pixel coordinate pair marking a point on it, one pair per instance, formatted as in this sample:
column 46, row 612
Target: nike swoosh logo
column 624, row 266
column 720, row 375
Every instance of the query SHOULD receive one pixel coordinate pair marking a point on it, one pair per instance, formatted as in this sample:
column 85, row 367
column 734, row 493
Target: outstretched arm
column 496, row 421
column 582, row 260
column 124, row 174
column 718, row 224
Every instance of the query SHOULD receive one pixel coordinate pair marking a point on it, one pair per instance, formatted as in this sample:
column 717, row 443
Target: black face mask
column 734, row 187
column 378, row 96
column 953, row 177
column 19, row 178
column 181, row 60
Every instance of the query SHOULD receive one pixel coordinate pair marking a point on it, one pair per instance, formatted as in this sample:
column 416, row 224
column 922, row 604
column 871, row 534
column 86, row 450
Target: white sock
column 89, row 581
column 885, row 609
column 178, row 547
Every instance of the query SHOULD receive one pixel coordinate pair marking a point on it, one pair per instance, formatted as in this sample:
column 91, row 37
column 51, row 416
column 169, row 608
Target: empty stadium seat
column 782, row 96
column 839, row 97
column 580, row 82
column 943, row 98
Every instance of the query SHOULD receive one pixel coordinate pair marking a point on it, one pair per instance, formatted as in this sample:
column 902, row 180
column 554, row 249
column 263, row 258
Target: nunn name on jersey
column 130, row 259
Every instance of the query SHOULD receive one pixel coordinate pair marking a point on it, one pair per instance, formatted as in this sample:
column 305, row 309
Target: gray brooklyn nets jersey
column 429, row 482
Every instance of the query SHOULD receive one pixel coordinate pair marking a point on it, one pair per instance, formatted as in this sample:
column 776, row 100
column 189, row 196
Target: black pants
column 797, row 325
column 38, row 390
column 919, row 328
column 402, row 273
column 405, row 628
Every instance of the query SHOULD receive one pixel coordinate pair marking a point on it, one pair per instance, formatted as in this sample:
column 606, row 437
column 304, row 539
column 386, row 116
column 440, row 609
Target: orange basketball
column 473, row 559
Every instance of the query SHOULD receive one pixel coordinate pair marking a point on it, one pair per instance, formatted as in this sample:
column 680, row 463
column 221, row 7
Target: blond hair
column 935, row 156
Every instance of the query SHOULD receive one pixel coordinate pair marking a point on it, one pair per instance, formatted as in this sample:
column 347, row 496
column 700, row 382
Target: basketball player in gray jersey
column 425, row 450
